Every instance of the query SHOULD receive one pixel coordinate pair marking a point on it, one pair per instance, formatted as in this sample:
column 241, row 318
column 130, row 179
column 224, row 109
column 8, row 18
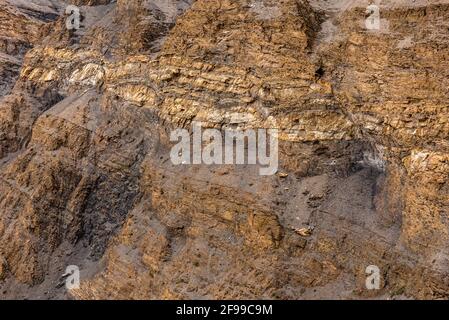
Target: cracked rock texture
column 85, row 171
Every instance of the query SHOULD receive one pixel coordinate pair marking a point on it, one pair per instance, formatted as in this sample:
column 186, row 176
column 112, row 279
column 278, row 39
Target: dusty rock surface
column 85, row 171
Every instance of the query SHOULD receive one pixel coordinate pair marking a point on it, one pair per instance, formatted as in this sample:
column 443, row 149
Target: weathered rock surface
column 86, row 178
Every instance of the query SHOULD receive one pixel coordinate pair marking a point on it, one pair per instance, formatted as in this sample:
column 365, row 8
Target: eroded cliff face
column 86, row 176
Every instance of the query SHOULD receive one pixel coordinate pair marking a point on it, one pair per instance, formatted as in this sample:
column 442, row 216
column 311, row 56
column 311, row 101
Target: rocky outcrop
column 86, row 177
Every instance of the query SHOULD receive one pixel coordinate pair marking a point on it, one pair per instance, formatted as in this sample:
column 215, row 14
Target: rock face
column 86, row 176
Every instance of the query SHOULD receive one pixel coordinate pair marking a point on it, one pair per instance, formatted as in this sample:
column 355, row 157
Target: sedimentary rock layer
column 86, row 176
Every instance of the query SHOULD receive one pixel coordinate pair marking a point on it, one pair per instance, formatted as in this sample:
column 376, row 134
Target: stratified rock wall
column 86, row 178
